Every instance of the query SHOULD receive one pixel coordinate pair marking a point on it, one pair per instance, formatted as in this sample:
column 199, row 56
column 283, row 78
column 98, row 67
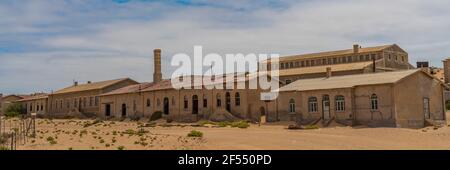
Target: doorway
column 195, row 104
column 326, row 107
column 124, row 110
column 166, row 106
column 228, row 102
column 426, row 108
column 107, row 110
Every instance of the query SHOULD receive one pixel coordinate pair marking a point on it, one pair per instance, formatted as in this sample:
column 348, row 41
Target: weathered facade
column 37, row 103
column 344, row 62
column 398, row 99
column 83, row 98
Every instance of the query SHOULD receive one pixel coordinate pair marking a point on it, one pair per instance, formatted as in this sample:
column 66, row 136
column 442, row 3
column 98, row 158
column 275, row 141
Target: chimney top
column 157, row 50
column 75, row 83
column 356, row 48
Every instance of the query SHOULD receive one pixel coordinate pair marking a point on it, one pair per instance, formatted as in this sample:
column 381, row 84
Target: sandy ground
column 112, row 135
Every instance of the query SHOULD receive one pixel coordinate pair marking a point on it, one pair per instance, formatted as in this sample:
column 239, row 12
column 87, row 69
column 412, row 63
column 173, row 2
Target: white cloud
column 120, row 47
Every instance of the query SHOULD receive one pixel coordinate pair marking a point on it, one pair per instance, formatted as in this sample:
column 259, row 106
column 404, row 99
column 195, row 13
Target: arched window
column 186, row 102
column 292, row 106
column 340, row 103
column 148, row 103
column 374, row 102
column 219, row 100
column 312, row 104
column 237, row 99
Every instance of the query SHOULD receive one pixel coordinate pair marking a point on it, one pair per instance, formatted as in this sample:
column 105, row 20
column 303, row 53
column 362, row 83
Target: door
column 228, row 102
column 326, row 107
column 108, row 110
column 195, row 104
column 124, row 110
column 166, row 106
column 426, row 108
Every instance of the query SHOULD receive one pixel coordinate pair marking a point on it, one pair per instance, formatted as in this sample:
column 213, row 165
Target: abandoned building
column 371, row 86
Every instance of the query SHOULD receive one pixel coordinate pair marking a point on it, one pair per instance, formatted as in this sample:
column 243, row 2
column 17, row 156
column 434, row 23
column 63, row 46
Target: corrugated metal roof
column 349, row 81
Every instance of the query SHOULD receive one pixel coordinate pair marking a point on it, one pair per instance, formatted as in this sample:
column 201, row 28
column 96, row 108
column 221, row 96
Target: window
column 42, row 107
column 324, row 61
column 329, row 61
column 334, row 60
column 349, row 59
column 282, row 66
column 31, row 108
column 403, row 58
column 84, row 102
column 61, row 104
column 344, row 60
column 288, row 82
column 91, row 101
column 68, row 103
column 37, row 107
column 292, row 106
column 205, row 101
column 374, row 56
column 313, row 63
column 303, row 63
column 367, row 57
column 312, row 104
column 219, row 100
column 185, row 102
column 291, row 65
column 361, row 58
column 340, row 103
column 96, row 101
column 374, row 102
column 148, row 103
column 296, row 64
column 237, row 99
column 307, row 63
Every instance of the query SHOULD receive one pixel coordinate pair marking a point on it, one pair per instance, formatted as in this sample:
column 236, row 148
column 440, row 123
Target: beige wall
column 409, row 95
column 39, row 106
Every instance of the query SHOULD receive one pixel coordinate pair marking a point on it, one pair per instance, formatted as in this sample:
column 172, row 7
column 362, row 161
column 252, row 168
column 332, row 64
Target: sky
column 45, row 45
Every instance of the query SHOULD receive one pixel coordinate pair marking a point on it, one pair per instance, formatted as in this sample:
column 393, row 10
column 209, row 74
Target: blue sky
column 46, row 44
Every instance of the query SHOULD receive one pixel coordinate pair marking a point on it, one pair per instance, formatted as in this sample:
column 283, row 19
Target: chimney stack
column 329, row 73
column 446, row 70
column 75, row 83
column 157, row 75
column 356, row 48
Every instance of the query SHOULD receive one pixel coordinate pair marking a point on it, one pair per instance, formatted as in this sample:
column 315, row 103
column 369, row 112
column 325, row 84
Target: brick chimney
column 356, row 48
column 329, row 73
column 446, row 70
column 157, row 75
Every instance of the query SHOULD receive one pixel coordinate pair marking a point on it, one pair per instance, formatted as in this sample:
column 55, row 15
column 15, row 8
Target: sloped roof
column 90, row 86
column 34, row 97
column 334, row 53
column 349, row 81
column 129, row 89
column 322, row 69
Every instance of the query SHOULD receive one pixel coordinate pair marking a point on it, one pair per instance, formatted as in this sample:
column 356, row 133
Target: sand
column 109, row 135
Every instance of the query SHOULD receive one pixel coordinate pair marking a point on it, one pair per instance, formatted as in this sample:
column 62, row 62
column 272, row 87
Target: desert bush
column 447, row 105
column 121, row 148
column 14, row 110
column 240, row 124
column 205, row 122
column 51, row 140
column 3, row 148
column 156, row 116
column 196, row 134
column 310, row 127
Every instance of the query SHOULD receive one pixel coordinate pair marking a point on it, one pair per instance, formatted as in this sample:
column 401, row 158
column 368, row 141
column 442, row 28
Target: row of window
column 328, row 61
column 339, row 103
column 396, row 57
column 39, row 107
column 81, row 102
column 237, row 100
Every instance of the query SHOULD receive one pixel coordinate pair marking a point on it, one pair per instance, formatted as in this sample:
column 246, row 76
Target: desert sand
column 128, row 135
